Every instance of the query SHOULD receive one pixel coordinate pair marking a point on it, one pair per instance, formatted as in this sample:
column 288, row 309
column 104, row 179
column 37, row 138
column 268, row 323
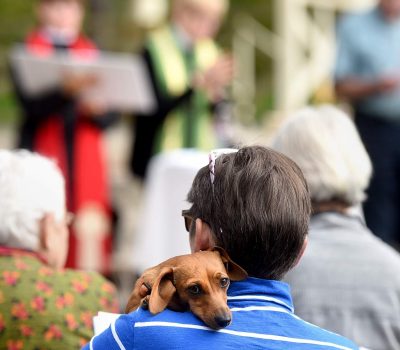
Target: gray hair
column 30, row 186
column 324, row 142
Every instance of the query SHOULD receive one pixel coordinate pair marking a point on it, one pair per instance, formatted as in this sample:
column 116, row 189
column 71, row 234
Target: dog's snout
column 223, row 320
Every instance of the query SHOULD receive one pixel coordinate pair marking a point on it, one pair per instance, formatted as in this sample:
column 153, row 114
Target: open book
column 102, row 321
column 123, row 81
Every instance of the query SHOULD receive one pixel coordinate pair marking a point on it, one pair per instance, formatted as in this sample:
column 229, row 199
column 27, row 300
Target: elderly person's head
column 200, row 19
column 32, row 205
column 324, row 142
column 255, row 204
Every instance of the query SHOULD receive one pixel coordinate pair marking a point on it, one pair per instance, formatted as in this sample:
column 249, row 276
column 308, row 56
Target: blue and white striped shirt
column 263, row 318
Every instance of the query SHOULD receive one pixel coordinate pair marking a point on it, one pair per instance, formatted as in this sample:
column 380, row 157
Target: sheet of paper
column 122, row 80
column 102, row 321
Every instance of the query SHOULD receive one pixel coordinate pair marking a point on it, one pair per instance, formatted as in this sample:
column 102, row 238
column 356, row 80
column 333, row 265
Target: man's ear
column 46, row 225
column 203, row 239
column 302, row 250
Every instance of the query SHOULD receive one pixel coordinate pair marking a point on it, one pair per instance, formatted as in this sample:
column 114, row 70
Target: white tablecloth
column 161, row 231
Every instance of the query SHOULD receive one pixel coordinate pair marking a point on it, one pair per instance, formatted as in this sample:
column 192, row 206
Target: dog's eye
column 194, row 290
column 224, row 282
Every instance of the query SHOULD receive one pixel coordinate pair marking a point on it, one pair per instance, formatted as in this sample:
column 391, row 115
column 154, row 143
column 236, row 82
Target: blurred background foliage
column 111, row 24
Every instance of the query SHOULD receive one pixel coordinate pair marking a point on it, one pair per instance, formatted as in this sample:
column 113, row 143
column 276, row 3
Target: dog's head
column 198, row 282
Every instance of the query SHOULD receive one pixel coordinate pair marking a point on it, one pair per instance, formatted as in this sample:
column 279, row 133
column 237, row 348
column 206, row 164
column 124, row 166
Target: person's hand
column 221, row 73
column 215, row 79
column 92, row 108
column 91, row 223
column 74, row 84
column 387, row 84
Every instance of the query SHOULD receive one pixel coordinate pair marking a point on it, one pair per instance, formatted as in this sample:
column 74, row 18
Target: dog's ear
column 141, row 290
column 162, row 291
column 235, row 272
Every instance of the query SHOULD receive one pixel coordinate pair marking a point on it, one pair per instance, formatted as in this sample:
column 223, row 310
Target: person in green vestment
column 189, row 74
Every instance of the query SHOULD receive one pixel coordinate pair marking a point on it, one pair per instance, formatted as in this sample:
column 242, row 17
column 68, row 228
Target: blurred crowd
column 66, row 252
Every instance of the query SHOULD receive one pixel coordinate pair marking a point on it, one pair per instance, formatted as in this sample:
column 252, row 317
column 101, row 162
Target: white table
column 161, row 231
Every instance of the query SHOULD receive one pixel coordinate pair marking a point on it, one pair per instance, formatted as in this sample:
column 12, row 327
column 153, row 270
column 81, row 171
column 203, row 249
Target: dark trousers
column 382, row 207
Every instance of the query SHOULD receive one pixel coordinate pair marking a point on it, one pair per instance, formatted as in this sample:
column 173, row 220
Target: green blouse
column 43, row 308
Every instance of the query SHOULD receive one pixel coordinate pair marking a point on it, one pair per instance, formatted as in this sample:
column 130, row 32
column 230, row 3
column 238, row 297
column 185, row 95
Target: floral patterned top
column 44, row 309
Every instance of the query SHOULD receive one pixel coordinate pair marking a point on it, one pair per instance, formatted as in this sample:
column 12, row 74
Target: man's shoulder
column 385, row 258
column 168, row 318
column 320, row 336
column 171, row 327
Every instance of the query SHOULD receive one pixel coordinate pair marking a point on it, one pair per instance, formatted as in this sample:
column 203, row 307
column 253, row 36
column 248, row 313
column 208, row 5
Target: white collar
column 184, row 40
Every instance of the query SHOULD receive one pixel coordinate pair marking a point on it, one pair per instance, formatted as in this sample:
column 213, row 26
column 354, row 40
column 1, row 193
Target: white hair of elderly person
column 32, row 205
column 325, row 144
column 348, row 280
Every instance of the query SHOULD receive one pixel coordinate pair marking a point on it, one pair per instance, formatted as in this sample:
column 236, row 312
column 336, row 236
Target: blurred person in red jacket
column 63, row 126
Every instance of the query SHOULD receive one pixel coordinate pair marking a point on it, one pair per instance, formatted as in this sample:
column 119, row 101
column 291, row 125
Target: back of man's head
column 257, row 208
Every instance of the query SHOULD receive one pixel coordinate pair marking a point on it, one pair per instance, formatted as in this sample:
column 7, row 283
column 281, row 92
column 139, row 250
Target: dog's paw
column 145, row 303
column 145, row 289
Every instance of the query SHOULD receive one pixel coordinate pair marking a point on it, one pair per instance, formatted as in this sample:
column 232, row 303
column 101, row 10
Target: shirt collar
column 321, row 221
column 183, row 39
column 18, row 252
column 261, row 291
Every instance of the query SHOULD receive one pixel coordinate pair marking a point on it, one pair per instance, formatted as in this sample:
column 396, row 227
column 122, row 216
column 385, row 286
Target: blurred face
column 63, row 17
column 199, row 22
column 390, row 9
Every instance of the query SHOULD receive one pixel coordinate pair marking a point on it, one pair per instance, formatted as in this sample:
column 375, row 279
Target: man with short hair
column 255, row 204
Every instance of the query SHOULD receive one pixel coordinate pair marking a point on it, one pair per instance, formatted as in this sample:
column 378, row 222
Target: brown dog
column 198, row 282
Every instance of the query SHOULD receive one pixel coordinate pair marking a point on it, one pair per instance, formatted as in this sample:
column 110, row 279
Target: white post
column 282, row 9
column 244, row 85
column 307, row 30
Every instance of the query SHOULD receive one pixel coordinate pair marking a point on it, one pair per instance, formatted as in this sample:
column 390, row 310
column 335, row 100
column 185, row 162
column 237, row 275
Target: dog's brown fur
column 194, row 281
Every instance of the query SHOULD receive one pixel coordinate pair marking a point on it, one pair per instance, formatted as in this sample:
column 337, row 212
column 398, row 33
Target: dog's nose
column 223, row 321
